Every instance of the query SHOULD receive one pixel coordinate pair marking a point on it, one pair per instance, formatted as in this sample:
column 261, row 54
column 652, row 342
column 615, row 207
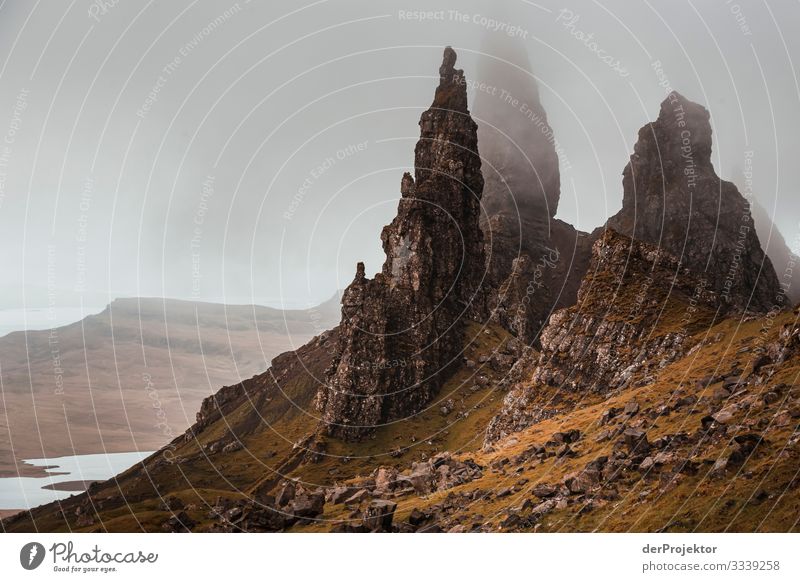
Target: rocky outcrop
column 286, row 389
column 673, row 198
column 636, row 309
column 529, row 285
column 402, row 331
column 534, row 261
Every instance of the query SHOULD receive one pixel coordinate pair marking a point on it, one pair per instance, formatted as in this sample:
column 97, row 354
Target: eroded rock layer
column 402, row 331
column 673, row 198
column 637, row 308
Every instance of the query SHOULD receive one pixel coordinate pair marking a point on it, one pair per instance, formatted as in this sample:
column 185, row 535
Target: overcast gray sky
column 179, row 148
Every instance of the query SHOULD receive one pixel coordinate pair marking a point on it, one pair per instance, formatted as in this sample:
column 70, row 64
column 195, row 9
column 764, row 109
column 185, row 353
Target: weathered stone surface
column 385, row 480
column 286, row 493
column 724, row 416
column 674, row 198
column 249, row 516
column 567, row 436
column 308, row 504
column 178, row 523
column 417, row 517
column 627, row 288
column 543, row 491
column 379, row 515
column 534, row 261
column 631, row 408
column 340, row 494
column 588, row 346
column 439, row 473
column 357, row 497
column 414, row 310
column 635, row 440
column 582, row 481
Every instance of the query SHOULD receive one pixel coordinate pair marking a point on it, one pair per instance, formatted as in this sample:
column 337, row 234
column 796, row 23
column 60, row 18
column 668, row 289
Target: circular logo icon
column 31, row 555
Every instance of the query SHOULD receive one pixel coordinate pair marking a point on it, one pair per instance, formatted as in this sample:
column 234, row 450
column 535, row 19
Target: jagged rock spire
column 674, row 198
column 402, row 331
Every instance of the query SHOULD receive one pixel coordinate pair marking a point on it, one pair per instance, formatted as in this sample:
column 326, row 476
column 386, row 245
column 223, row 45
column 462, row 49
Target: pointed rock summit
column 402, row 332
column 673, row 198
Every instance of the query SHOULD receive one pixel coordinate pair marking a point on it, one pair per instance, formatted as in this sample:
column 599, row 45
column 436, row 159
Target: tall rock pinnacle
column 534, row 261
column 522, row 173
column 673, row 198
column 402, row 331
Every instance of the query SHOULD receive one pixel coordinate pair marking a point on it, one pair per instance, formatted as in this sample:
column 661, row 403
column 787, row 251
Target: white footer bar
column 401, row 557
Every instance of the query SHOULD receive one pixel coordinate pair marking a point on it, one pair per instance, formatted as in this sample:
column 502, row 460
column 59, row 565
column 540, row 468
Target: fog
column 251, row 152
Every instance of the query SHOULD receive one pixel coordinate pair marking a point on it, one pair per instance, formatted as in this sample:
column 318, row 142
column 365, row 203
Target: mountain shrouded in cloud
column 534, row 260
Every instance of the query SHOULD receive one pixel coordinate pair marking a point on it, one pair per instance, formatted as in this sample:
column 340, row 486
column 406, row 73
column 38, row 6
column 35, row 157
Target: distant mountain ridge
column 131, row 377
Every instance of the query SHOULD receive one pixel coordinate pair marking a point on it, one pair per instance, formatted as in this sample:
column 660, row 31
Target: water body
column 28, row 492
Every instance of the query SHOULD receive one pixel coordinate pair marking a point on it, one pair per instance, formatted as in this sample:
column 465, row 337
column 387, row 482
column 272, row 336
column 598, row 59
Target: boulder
column 636, row 441
column 308, row 504
column 631, row 408
column 724, row 416
column 340, row 494
column 720, row 394
column 503, row 492
column 357, row 497
column 379, row 515
column 748, row 442
column 417, row 517
column 568, row 437
column 565, row 451
column 422, row 478
column 608, row 415
column 385, row 480
column 582, row 481
column 597, row 464
column 178, row 523
column 286, row 493
column 543, row 491
column 544, row 507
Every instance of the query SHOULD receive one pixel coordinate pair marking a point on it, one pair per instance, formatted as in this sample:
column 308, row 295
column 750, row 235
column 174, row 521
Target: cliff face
column 673, row 198
column 637, row 308
column 534, row 261
column 402, row 332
